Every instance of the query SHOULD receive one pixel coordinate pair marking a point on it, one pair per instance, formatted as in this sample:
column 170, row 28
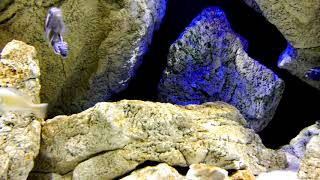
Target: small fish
column 313, row 74
column 14, row 100
column 54, row 27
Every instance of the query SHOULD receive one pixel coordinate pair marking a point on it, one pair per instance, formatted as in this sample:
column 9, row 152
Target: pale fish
column 14, row 100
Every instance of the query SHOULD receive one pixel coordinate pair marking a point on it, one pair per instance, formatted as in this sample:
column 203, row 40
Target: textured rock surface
column 206, row 172
column 208, row 63
column 310, row 165
column 297, row 20
column 159, row 172
column 106, row 40
column 19, row 132
column 299, row 61
column 49, row 176
column 111, row 139
column 242, row 175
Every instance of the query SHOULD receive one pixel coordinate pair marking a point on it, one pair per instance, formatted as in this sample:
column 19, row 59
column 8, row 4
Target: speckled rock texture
column 299, row 22
column 160, row 172
column 19, row 132
column 209, row 63
column 106, row 39
column 310, row 164
column 111, row 139
column 299, row 61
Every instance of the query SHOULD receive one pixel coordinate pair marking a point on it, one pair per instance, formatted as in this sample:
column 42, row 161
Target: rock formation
column 19, row 132
column 209, row 63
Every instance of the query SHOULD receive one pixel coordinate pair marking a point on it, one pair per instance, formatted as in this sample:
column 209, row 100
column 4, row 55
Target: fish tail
column 40, row 110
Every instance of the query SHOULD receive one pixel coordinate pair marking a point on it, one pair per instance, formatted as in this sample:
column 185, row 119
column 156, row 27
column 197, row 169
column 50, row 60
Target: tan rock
column 49, row 176
column 206, row 172
column 19, row 132
column 242, row 175
column 106, row 39
column 111, row 139
column 159, row 172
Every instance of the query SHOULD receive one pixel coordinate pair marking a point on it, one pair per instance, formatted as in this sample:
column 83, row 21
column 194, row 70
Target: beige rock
column 111, row 139
column 310, row 165
column 297, row 20
column 242, row 175
column 206, row 172
column 19, row 132
column 160, row 172
column 106, row 39
column 49, row 176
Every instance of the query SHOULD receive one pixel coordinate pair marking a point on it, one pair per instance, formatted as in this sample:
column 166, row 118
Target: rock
column 208, row 63
column 111, row 139
column 19, row 132
column 299, row 61
column 242, row 175
column 106, row 39
column 297, row 20
column 278, row 175
column 206, row 172
column 160, row 172
column 49, row 176
column 299, row 23
column 295, row 150
column 310, row 164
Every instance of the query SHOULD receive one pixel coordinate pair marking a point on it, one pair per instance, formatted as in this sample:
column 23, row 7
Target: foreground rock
column 208, row 63
column 106, row 42
column 128, row 133
column 298, row 21
column 19, row 132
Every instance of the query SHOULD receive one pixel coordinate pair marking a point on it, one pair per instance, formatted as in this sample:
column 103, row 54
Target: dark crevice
column 299, row 105
column 8, row 19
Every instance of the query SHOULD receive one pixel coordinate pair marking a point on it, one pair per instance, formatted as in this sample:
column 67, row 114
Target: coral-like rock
column 160, row 172
column 111, row 139
column 206, row 172
column 208, row 63
column 19, row 132
column 106, row 39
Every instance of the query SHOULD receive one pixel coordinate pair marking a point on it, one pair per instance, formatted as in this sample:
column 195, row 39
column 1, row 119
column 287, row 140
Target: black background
column 300, row 104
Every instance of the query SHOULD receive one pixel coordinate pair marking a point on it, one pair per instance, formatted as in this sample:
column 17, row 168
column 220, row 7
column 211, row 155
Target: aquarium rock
column 19, row 132
column 106, row 41
column 206, row 172
column 127, row 133
column 209, row 63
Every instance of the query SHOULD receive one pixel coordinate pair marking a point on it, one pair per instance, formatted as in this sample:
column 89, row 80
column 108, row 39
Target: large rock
column 111, row 139
column 19, row 132
column 298, row 21
column 106, row 40
column 208, row 63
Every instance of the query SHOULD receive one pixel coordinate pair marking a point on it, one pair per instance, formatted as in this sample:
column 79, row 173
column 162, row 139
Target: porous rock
column 111, row 139
column 19, row 132
column 106, row 40
column 209, row 63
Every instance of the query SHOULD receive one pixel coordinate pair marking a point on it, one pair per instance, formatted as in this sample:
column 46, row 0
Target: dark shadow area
column 298, row 107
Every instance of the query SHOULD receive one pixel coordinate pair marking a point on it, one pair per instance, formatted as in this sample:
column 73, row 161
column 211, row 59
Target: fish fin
column 40, row 110
column 20, row 93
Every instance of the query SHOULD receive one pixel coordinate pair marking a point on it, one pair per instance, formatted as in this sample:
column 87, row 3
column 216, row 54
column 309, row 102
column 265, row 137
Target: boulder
column 111, row 139
column 209, row 63
column 19, row 132
column 106, row 39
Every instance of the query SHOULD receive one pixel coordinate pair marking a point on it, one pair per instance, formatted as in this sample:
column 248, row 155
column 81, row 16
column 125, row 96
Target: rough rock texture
column 299, row 61
column 111, row 139
column 19, row 132
column 299, row 22
column 208, row 63
column 49, row 176
column 242, row 175
column 206, row 172
column 310, row 165
column 106, row 42
column 160, row 172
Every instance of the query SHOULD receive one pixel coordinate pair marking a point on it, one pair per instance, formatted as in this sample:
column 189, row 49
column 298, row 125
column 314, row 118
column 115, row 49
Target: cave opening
column 296, row 109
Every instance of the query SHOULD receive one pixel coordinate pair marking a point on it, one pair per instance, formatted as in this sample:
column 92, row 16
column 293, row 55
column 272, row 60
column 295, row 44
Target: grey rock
column 19, row 132
column 111, row 139
column 208, row 63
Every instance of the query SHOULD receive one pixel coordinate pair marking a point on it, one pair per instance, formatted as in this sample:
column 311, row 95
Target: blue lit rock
column 208, row 63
